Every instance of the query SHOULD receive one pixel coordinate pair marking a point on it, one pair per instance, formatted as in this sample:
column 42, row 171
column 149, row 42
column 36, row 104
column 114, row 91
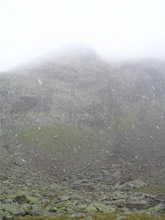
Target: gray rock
column 2, row 215
column 91, row 208
column 13, row 209
column 135, row 184
column 88, row 218
column 77, row 215
column 117, row 175
column 158, row 209
column 37, row 211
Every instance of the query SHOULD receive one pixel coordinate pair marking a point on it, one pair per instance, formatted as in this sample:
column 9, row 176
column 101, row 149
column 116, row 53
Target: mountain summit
column 72, row 55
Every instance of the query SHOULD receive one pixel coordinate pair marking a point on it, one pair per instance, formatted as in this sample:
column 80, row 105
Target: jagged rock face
column 108, row 117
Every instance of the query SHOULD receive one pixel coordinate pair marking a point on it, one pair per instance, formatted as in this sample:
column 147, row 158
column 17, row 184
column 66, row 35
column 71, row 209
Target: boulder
column 135, row 184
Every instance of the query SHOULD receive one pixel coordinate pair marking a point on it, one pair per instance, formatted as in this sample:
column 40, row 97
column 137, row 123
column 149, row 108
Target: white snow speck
column 40, row 82
column 79, row 146
column 157, row 126
column 145, row 97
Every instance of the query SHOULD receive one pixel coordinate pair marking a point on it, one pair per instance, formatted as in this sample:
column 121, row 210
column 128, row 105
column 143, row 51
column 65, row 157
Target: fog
column 116, row 29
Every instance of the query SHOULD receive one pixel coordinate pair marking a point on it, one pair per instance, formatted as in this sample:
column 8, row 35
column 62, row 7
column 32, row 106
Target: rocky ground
column 79, row 135
column 27, row 194
column 102, row 216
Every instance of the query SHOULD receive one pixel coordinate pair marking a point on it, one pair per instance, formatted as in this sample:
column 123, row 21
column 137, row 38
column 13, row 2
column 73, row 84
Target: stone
column 91, row 208
column 37, row 211
column 104, row 208
column 99, row 207
column 126, row 210
column 117, row 175
column 21, row 199
column 2, row 215
column 80, row 207
column 135, row 184
column 122, row 217
column 88, row 218
column 159, row 208
column 77, row 215
column 13, row 209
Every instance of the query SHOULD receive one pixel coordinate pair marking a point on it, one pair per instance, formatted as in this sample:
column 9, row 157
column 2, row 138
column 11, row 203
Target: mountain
column 70, row 115
column 81, row 135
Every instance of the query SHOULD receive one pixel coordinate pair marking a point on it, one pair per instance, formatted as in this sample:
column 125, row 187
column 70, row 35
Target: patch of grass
column 66, row 138
column 101, row 216
column 153, row 189
column 160, row 106
column 124, row 122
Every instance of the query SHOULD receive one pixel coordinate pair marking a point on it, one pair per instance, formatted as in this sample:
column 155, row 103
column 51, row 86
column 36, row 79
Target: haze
column 116, row 29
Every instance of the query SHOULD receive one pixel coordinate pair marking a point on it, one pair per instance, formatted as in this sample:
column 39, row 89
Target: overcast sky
column 117, row 29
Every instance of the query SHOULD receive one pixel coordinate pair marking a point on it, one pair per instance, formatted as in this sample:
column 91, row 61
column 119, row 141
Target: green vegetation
column 101, row 216
column 65, row 138
column 160, row 106
column 123, row 123
column 156, row 189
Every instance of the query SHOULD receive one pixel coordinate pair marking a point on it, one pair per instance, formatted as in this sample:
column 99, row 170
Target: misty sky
column 117, row 29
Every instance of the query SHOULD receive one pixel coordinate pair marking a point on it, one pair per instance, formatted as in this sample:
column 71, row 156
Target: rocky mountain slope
column 71, row 116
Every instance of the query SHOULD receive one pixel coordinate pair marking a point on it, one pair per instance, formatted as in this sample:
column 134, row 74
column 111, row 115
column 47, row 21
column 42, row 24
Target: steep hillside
column 79, row 135
column 71, row 114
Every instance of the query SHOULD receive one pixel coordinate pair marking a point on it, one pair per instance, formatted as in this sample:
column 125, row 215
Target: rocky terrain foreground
column 33, row 197
column 81, row 138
